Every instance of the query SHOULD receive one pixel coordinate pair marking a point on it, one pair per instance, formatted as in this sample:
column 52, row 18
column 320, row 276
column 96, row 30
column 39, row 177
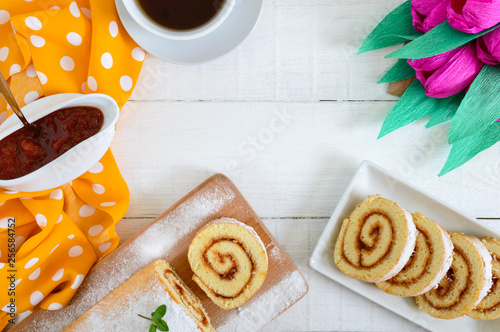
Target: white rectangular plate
column 371, row 179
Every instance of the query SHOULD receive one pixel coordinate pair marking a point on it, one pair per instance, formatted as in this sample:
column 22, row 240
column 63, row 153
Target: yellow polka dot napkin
column 49, row 47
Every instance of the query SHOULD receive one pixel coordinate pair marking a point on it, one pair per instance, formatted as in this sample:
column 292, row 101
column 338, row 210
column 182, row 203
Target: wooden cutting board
column 168, row 237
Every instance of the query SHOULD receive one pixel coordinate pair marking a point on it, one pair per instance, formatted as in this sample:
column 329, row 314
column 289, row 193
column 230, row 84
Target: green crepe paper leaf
column 480, row 107
column 441, row 39
column 412, row 106
column 466, row 148
column 395, row 28
column 400, row 71
column 447, row 113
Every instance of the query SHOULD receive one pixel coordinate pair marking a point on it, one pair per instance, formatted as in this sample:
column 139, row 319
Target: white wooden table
column 288, row 116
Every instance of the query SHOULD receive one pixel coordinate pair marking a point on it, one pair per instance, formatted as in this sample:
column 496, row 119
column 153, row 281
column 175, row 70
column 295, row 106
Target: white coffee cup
column 134, row 9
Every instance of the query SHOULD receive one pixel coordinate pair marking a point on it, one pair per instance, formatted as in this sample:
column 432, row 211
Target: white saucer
column 234, row 30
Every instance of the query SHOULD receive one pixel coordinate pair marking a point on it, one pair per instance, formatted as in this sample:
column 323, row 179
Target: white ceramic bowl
column 140, row 17
column 75, row 161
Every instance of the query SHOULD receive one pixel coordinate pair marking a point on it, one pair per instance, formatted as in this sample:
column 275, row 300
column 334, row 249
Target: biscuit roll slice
column 489, row 307
column 466, row 283
column 428, row 264
column 155, row 285
column 377, row 240
column 229, row 262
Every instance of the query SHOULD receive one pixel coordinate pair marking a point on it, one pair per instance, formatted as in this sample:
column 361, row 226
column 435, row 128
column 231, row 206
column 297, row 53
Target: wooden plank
column 168, row 237
column 300, row 50
column 295, row 167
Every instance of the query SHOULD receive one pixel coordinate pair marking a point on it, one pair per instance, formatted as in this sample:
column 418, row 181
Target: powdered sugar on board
column 169, row 237
column 155, row 242
column 258, row 311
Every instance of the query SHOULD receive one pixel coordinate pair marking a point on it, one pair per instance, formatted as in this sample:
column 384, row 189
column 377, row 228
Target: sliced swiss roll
column 466, row 283
column 155, row 285
column 428, row 264
column 229, row 261
column 489, row 307
column 376, row 241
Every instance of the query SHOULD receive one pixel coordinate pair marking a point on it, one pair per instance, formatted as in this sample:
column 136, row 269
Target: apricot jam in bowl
column 69, row 134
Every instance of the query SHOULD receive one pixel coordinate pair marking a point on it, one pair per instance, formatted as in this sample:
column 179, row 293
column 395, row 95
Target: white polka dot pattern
column 74, row 39
column 30, row 71
column 104, row 247
column 4, row 53
column 31, row 262
column 42, row 77
column 37, row 41
column 113, row 29
column 31, row 97
column 15, row 68
column 4, row 16
column 55, row 306
column 56, row 194
column 92, row 83
column 67, row 63
column 126, row 83
column 86, row 211
column 95, row 230
column 41, row 220
column 87, row 13
column 78, row 281
column 75, row 251
column 107, row 60
column 138, row 54
column 4, row 222
column 97, row 168
column 74, row 10
column 98, row 189
column 57, row 245
column 36, row 297
column 33, row 23
column 58, row 275
column 34, row 275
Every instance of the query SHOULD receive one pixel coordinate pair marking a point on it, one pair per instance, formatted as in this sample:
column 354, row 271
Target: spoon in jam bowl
column 74, row 131
column 9, row 97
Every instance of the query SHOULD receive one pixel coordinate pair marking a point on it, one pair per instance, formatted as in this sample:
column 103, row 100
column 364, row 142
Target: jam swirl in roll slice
column 489, row 307
column 376, row 241
column 428, row 264
column 466, row 283
column 229, row 262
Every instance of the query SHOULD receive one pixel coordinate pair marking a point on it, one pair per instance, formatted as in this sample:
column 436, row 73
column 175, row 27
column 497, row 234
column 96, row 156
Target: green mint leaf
column 162, row 325
column 152, row 328
column 156, row 318
column 161, row 310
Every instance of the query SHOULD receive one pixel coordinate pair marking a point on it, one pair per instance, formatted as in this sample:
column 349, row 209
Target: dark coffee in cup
column 181, row 14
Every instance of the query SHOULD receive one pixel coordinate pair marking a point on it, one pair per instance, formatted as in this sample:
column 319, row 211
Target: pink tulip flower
column 427, row 14
column 448, row 73
column 473, row 16
column 488, row 47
